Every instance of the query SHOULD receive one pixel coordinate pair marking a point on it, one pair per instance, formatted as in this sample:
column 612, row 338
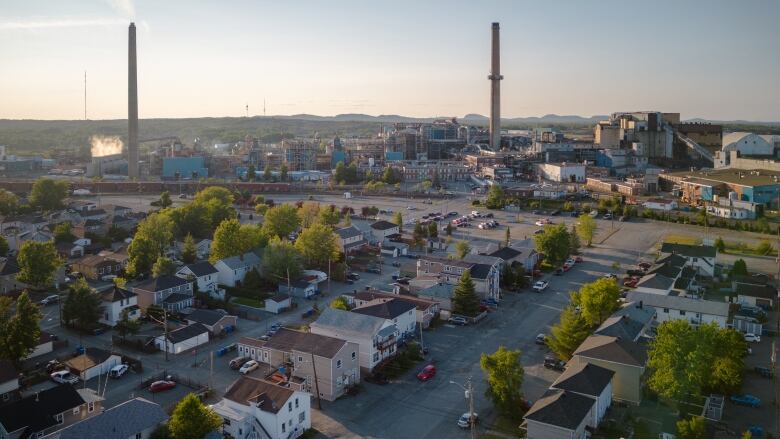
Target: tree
column 586, row 228
column 340, row 303
column 250, row 173
column 329, row 216
column 190, row 219
column 281, row 220
column 48, row 194
column 63, row 232
column 165, row 200
column 308, row 213
column 574, row 240
column 495, row 197
column 3, row 246
column 227, row 241
column 152, row 238
column 505, row 380
column 433, row 229
column 554, row 243
column 764, row 248
column 38, row 261
column 568, row 334
column 19, row 333
column 261, row 209
column 318, row 244
column 739, row 268
column 191, row 419
column 567, row 206
column 720, row 245
column 449, row 229
column 217, row 204
column 464, row 298
column 8, row 202
column 163, row 266
column 507, row 237
column 398, row 219
column 339, row 174
column 283, row 172
column 267, row 176
column 692, row 428
column 189, row 253
column 419, row 231
column 279, row 259
column 462, row 249
column 597, row 300
column 127, row 326
column 82, row 307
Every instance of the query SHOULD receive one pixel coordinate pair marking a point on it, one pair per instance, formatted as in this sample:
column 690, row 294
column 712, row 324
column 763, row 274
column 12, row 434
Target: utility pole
column 329, row 276
column 316, row 382
column 471, row 411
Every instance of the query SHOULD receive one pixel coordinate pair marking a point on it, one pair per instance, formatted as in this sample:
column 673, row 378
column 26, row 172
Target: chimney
column 495, row 89
column 132, row 107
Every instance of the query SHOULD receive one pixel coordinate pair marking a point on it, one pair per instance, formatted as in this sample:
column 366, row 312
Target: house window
column 300, row 359
column 338, row 364
column 90, row 407
column 301, row 417
column 296, row 402
column 666, row 310
column 354, row 355
column 376, row 357
column 289, row 422
column 682, row 313
column 283, row 428
column 6, row 396
column 138, row 435
column 289, row 406
column 58, row 418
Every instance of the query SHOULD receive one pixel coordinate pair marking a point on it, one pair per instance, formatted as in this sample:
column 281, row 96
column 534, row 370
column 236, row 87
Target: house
column 527, row 257
column 133, row 419
column 9, row 382
column 8, row 271
column 232, row 270
column 254, row 405
column 624, row 357
column 215, row 321
column 44, row 346
column 438, row 292
column 484, row 271
column 182, row 339
column 170, row 292
column 674, row 307
column 89, row 226
column 660, row 204
column 278, row 303
column 95, row 267
column 376, row 336
column 389, row 251
column 425, row 310
column 336, row 360
column 630, row 322
column 202, row 248
column 664, row 276
column 118, row 254
column 762, row 296
column 588, row 380
column 559, row 414
column 46, row 411
column 116, row 301
column 69, row 250
column 382, row 229
column 93, row 362
column 299, row 288
column 204, row 274
column 700, row 257
column 350, row 239
column 400, row 312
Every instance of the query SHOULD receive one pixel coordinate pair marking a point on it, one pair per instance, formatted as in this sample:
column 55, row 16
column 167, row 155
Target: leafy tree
column 391, row 176
column 152, row 238
column 48, row 194
column 568, row 334
column 8, row 202
column 462, row 249
column 419, row 232
column 398, row 219
column 279, row 258
column 505, row 380
column 38, row 261
column 308, row 213
column 191, row 419
column 586, row 228
column 189, row 252
column 720, row 245
column 190, row 219
column 227, row 241
column 329, row 216
column 19, row 333
column 764, row 248
column 318, row 244
column 250, row 173
column 433, row 229
column 267, row 176
column 739, row 268
column 507, row 237
column 82, row 307
column 217, row 203
column 449, row 229
column 464, row 298
column 261, row 209
column 281, row 220
column 351, row 173
column 63, row 232
column 340, row 173
column 568, row 207
column 554, row 243
column 574, row 240
column 127, row 326
column 165, row 200
column 426, row 184
column 3, row 246
column 597, row 300
column 163, row 266
column 495, row 197
column 340, row 303
column 692, row 428
column 283, row 172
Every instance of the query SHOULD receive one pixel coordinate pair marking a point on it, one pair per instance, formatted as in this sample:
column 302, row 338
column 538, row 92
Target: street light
column 469, row 395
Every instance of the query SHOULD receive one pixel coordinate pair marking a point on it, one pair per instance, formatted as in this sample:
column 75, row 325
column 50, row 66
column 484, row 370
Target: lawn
column 254, row 303
column 682, row 239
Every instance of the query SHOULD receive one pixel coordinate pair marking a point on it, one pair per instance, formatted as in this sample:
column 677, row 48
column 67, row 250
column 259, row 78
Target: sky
column 714, row 59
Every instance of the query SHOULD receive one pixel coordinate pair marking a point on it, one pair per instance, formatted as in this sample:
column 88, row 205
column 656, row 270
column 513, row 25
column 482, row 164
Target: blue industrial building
column 185, row 168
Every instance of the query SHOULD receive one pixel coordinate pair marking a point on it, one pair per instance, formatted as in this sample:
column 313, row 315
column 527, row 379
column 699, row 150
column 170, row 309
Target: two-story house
column 382, row 229
column 336, row 360
column 46, row 411
column 628, row 359
column 350, row 239
column 204, row 274
column 400, row 312
column 8, row 271
column 254, row 408
column 137, row 418
column 701, row 258
column 376, row 337
column 117, row 301
column 672, row 307
column 95, row 267
column 232, row 270
column 169, row 292
column 425, row 310
column 485, row 274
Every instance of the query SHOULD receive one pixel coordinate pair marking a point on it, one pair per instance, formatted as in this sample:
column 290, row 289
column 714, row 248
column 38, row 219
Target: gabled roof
column 349, row 322
column 700, row 251
column 240, row 261
column 760, row 291
column 420, row 303
column 36, row 412
column 206, row 316
column 387, row 310
column 270, row 397
column 585, row 379
column 122, row 421
column 383, row 225
column 482, row 259
column 288, row 340
column 445, row 261
column 116, row 294
column 439, row 290
column 627, row 322
column 89, row 359
column 162, row 283
column 203, row 268
column 660, row 301
column 614, row 350
column 656, row 281
column 561, row 409
column 186, row 332
column 506, row 253
column 176, row 298
column 8, row 266
column 348, row 232
column 480, row 271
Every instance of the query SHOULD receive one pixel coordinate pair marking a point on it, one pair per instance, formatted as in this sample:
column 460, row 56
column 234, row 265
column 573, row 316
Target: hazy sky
column 713, row 59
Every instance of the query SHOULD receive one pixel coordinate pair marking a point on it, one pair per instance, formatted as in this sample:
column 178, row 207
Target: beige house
column 626, row 358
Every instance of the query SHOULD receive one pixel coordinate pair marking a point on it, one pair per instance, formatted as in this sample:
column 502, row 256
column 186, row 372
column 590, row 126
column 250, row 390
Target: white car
column 482, row 226
column 64, row 376
column 49, row 300
column 541, row 286
column 411, row 208
column 542, row 222
column 594, row 213
column 465, row 420
column 752, row 338
column 118, row 370
column 249, row 366
column 570, row 261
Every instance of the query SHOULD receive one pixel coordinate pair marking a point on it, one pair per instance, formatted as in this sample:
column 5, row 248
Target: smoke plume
column 105, row 145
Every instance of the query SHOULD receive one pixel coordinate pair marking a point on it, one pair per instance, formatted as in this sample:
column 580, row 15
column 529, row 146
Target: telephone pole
column 471, row 411
column 316, row 382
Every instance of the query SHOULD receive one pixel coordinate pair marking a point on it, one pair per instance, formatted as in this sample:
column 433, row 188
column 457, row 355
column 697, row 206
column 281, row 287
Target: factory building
column 113, row 164
column 758, row 186
column 184, row 168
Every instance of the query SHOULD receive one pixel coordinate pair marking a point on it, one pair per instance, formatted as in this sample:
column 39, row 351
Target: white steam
column 105, row 145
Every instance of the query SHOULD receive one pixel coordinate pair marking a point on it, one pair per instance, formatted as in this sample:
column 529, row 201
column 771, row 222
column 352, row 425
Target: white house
column 278, row 303
column 182, row 339
column 400, row 312
column 588, row 380
column 9, row 381
column 350, row 239
column 116, row 301
column 660, row 204
column 425, row 310
column 93, row 362
column 380, row 230
column 699, row 257
column 376, row 336
column 232, row 270
column 253, row 408
column 695, row 311
column 206, row 276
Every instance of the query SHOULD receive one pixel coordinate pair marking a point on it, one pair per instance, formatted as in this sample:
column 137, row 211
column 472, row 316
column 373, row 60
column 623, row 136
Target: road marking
column 550, row 307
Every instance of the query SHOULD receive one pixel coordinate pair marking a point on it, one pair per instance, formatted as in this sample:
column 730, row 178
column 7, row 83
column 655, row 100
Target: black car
column 553, row 363
column 353, row 276
column 488, row 215
column 763, row 371
column 555, row 212
column 635, row 272
column 375, row 270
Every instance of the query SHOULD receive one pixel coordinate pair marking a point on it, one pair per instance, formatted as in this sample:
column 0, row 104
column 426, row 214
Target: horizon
column 312, row 59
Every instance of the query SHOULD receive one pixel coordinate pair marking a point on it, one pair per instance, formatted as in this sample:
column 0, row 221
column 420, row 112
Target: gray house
column 559, row 414
column 136, row 418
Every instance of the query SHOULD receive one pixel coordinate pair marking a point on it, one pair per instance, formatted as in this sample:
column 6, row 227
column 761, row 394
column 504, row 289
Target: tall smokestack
column 132, row 107
column 495, row 90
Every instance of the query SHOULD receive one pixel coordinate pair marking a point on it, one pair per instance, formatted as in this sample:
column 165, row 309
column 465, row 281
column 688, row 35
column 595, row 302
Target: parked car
column 353, row 276
column 375, row 270
column 630, row 282
column 540, row 286
column 466, row 419
column 541, row 339
column 644, row 265
column 559, row 272
column 751, row 338
column 538, row 232
column 571, row 261
column 48, row 300
column 567, row 266
column 458, row 320
column 555, row 212
column 635, row 272
column 594, row 213
column 427, row 373
column 452, row 213
column 161, row 386
column 237, row 362
column 64, row 376
column 763, row 371
column 746, row 399
column 578, row 259
column 607, row 216
column 551, row 362
column 249, row 366
column 118, row 370
column 610, row 276
column 542, row 222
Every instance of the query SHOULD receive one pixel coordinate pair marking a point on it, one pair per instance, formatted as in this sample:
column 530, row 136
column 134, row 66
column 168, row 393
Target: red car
column 578, row 259
column 566, row 267
column 161, row 386
column 427, row 373
column 630, row 282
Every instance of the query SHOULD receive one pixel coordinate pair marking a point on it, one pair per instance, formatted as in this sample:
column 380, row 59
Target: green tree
column 495, row 197
column 433, row 229
column 38, row 261
column 340, row 173
column 217, row 204
column 464, row 298
column 435, row 180
column 586, row 228
column 190, row 219
column 449, row 229
column 597, row 300
column 154, row 235
column 308, row 213
column 340, row 303
column 507, row 237
column 165, row 200
column 568, row 207
column 261, row 209
column 48, row 194
column 568, row 334
column 279, row 258
column 227, row 241
column 329, row 216
column 574, row 241
column 163, row 266
column 318, row 244
column 505, row 380
column 3, row 246
column 720, row 245
column 127, row 326
column 189, row 252
column 82, row 307
column 739, row 268
column 63, row 232
column 250, row 173
column 283, row 172
column 692, row 428
column 281, row 220
column 398, row 219
column 765, row 248
column 267, row 176
column 191, row 419
column 8, row 202
column 554, row 243
column 462, row 249
column 19, row 333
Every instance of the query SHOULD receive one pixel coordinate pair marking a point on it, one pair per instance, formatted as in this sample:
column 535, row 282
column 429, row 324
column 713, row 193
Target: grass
column 506, row 426
column 682, row 239
column 254, row 303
